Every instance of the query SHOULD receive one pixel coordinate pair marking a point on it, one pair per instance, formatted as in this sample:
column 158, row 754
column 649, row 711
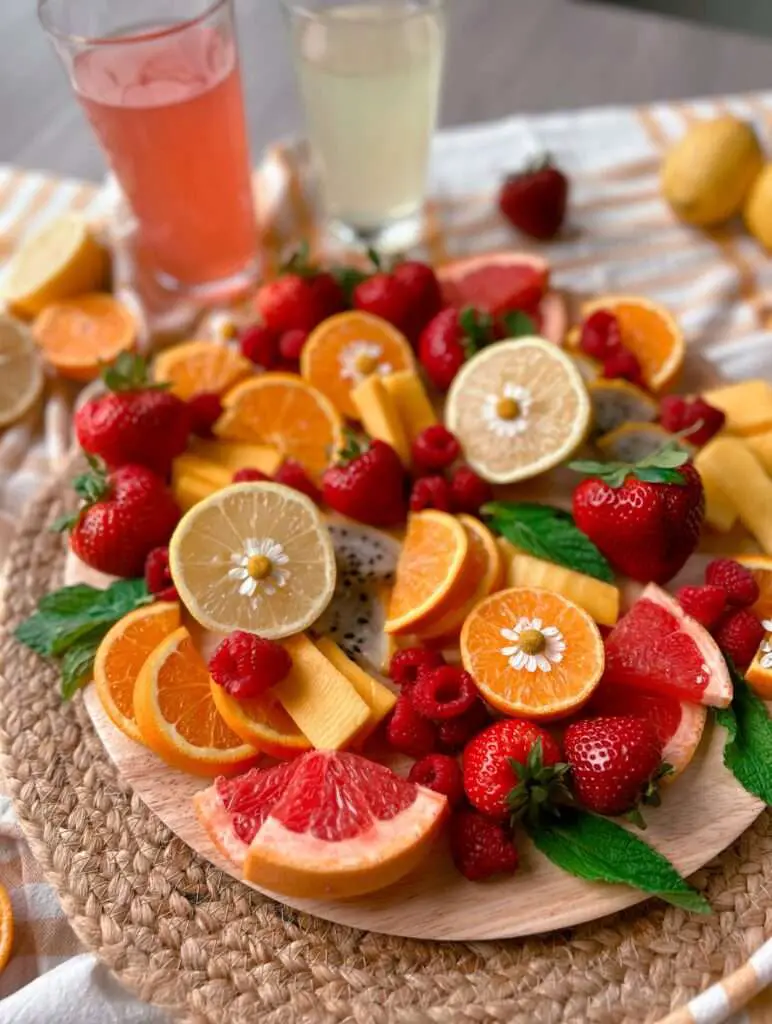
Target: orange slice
column 122, row 653
column 532, row 653
column 6, row 927
column 197, row 366
column 346, row 349
column 283, row 410
column 651, row 334
column 254, row 556
column 518, row 408
column 263, row 723
column 429, row 579
column 761, row 567
column 177, row 716
column 77, row 336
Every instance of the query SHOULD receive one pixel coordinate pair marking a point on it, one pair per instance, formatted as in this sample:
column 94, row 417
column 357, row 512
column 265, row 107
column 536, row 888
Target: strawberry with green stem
column 367, row 482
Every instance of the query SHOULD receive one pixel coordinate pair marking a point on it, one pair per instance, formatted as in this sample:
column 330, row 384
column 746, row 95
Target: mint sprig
column 748, row 749
column 599, row 850
column 518, row 324
column 661, row 467
column 549, row 533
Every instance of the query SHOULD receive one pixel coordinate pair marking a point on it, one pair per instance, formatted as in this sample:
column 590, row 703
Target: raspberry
column 455, row 733
column 480, row 847
column 248, row 475
column 443, row 693
column 601, row 335
column 739, row 634
column 292, row 474
column 623, row 365
column 291, row 345
column 260, row 345
column 204, row 411
column 430, row 492
column 469, row 491
column 158, row 577
column 695, row 418
column 735, row 580
column 408, row 733
column 705, row 604
column 442, row 774
column 405, row 665
column 435, row 448
column 246, row 665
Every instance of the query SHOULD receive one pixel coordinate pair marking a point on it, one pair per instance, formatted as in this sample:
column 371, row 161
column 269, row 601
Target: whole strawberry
column 136, row 422
column 645, row 518
column 481, row 847
column 125, row 515
column 614, row 762
column 300, row 298
column 534, row 200
column 408, row 295
column 367, row 483
column 449, row 340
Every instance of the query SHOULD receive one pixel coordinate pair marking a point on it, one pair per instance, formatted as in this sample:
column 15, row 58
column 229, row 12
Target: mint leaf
column 548, row 533
column 349, row 278
column 70, row 600
column 748, row 749
column 599, row 850
column 77, row 667
column 518, row 324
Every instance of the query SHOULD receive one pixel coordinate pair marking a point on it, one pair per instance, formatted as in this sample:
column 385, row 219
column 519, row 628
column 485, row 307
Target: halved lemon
column 21, row 372
column 254, row 556
column 518, row 408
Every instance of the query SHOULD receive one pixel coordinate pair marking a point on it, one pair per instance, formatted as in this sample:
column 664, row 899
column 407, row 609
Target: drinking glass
column 369, row 74
column 159, row 81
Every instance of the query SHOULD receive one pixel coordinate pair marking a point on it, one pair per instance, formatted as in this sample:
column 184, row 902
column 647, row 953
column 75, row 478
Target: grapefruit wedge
column 328, row 825
column 657, row 647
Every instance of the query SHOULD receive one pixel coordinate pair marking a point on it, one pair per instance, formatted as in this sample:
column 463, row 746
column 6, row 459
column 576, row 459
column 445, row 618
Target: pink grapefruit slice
column 329, row 825
column 657, row 647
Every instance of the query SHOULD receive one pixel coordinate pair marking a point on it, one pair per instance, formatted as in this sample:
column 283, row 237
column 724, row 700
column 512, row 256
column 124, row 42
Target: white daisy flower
column 766, row 647
column 533, row 645
column 506, row 413
column 258, row 569
column 361, row 359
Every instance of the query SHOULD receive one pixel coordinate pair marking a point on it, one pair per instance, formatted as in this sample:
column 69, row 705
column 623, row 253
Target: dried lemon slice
column 21, row 372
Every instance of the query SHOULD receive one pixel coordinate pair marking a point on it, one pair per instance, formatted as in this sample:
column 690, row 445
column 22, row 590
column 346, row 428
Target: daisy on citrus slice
column 283, row 410
column 261, row 722
column 254, row 556
column 177, row 717
column 759, row 674
column 21, row 372
column 518, row 409
column 121, row 654
column 532, row 653
column 196, row 366
column 429, row 578
column 77, row 336
column 346, row 349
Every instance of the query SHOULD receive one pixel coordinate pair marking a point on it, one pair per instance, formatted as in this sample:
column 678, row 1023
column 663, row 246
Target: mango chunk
column 412, row 402
column 233, row 455
column 379, row 698
column 188, row 490
column 748, row 406
column 761, row 446
column 599, row 599
column 743, row 480
column 379, row 416
column 192, row 465
column 720, row 510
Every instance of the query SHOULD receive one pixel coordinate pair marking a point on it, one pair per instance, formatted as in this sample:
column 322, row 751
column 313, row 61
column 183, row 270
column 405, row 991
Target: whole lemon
column 707, row 174
column 758, row 208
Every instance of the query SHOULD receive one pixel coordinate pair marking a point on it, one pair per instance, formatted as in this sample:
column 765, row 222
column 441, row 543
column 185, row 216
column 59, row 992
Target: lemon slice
column 518, row 407
column 21, row 373
column 254, row 556
column 61, row 261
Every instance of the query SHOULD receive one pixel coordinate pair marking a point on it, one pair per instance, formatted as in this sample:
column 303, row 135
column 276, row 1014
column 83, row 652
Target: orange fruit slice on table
column 761, row 567
column 428, row 581
column 254, row 556
column 21, row 379
column 532, row 653
column 77, row 336
column 650, row 332
column 346, row 349
column 283, row 410
column 262, row 722
column 518, row 408
column 196, row 366
column 121, row 654
column 6, row 927
column 177, row 716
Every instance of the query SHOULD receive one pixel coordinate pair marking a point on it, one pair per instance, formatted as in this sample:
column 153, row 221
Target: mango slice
column 743, row 480
column 378, row 413
column 412, row 402
column 379, row 698
column 720, row 510
column 599, row 599
column 748, row 406
column 233, row 455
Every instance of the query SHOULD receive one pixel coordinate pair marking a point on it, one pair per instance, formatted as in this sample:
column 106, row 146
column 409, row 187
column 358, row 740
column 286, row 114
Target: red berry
column 735, row 580
column 367, row 483
column 705, row 604
column 248, row 475
column 246, row 665
column 469, row 492
column 430, row 492
column 260, row 345
column 409, row 733
column 622, row 364
column 434, row 449
column 299, row 299
column 405, row 665
column 601, row 335
column 424, row 295
column 291, row 345
column 443, row 693
column 695, row 416
column 534, row 200
column 292, row 474
column 444, row 347
column 440, row 773
column 158, row 575
column 739, row 634
column 204, row 411
column 480, row 847
column 385, row 296
column 455, row 733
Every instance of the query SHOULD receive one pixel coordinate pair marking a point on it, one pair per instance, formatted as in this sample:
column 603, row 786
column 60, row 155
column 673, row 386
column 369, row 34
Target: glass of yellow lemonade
column 369, row 74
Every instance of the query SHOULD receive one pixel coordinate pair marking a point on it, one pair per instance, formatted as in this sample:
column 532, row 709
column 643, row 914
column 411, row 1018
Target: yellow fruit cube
column 379, row 698
column 413, row 404
column 188, row 490
column 742, row 478
column 761, row 446
column 599, row 599
column 720, row 510
column 378, row 414
column 233, row 455
column 319, row 699
column 210, row 472
column 748, row 406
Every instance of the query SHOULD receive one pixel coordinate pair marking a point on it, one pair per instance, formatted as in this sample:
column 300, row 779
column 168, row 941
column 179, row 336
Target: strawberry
column 260, row 345
column 511, row 767
column 125, row 515
column 204, row 410
column 158, row 575
column 422, row 286
column 292, row 474
column 135, row 422
column 481, row 847
column 693, row 418
column 534, row 200
column 645, row 518
column 408, row 295
column 449, row 339
column 300, row 298
column 615, row 763
column 366, row 483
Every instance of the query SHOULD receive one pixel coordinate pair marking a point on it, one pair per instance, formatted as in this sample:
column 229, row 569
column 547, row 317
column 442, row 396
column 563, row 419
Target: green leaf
column 518, row 324
column 600, row 850
column 658, row 468
column 548, row 533
column 77, row 668
column 349, row 278
column 70, row 600
column 748, row 749
column 129, row 372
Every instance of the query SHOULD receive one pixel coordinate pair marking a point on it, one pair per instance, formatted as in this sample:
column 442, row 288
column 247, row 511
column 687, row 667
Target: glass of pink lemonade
column 159, row 81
